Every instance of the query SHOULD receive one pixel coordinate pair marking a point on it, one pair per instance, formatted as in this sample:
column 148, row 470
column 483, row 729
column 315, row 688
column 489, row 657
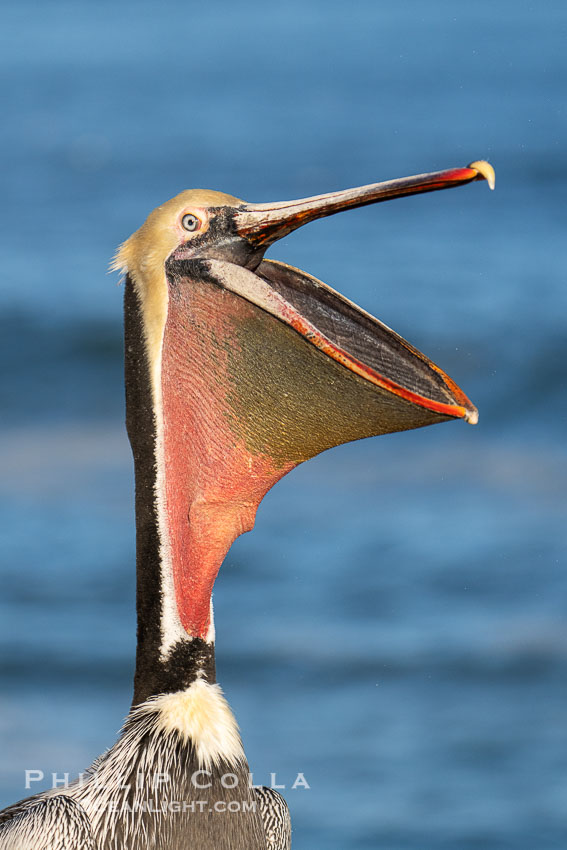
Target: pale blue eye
column 190, row 222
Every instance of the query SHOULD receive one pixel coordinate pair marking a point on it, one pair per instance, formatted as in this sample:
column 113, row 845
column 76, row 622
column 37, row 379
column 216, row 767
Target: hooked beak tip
column 486, row 172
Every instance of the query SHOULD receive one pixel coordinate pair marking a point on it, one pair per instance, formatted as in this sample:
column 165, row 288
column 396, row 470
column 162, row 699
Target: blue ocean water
column 394, row 628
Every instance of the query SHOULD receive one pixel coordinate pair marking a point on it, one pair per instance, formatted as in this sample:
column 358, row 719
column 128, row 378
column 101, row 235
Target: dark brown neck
column 159, row 669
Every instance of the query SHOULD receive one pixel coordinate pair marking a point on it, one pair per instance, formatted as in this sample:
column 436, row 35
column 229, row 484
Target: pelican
column 236, row 370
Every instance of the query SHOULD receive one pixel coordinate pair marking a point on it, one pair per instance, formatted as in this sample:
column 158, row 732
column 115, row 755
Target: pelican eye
column 191, row 222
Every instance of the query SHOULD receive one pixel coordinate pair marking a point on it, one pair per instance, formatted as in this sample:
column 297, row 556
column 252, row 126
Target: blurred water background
column 395, row 627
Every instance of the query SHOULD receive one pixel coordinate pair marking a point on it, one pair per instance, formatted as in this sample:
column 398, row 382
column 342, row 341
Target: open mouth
column 332, row 323
column 361, row 343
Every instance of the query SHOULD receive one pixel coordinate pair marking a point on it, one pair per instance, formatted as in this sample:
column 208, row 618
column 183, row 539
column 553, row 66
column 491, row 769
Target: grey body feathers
column 46, row 823
column 275, row 818
column 148, row 793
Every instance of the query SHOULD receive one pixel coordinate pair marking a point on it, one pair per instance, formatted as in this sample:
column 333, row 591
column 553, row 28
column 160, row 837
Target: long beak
column 334, row 325
column 263, row 224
